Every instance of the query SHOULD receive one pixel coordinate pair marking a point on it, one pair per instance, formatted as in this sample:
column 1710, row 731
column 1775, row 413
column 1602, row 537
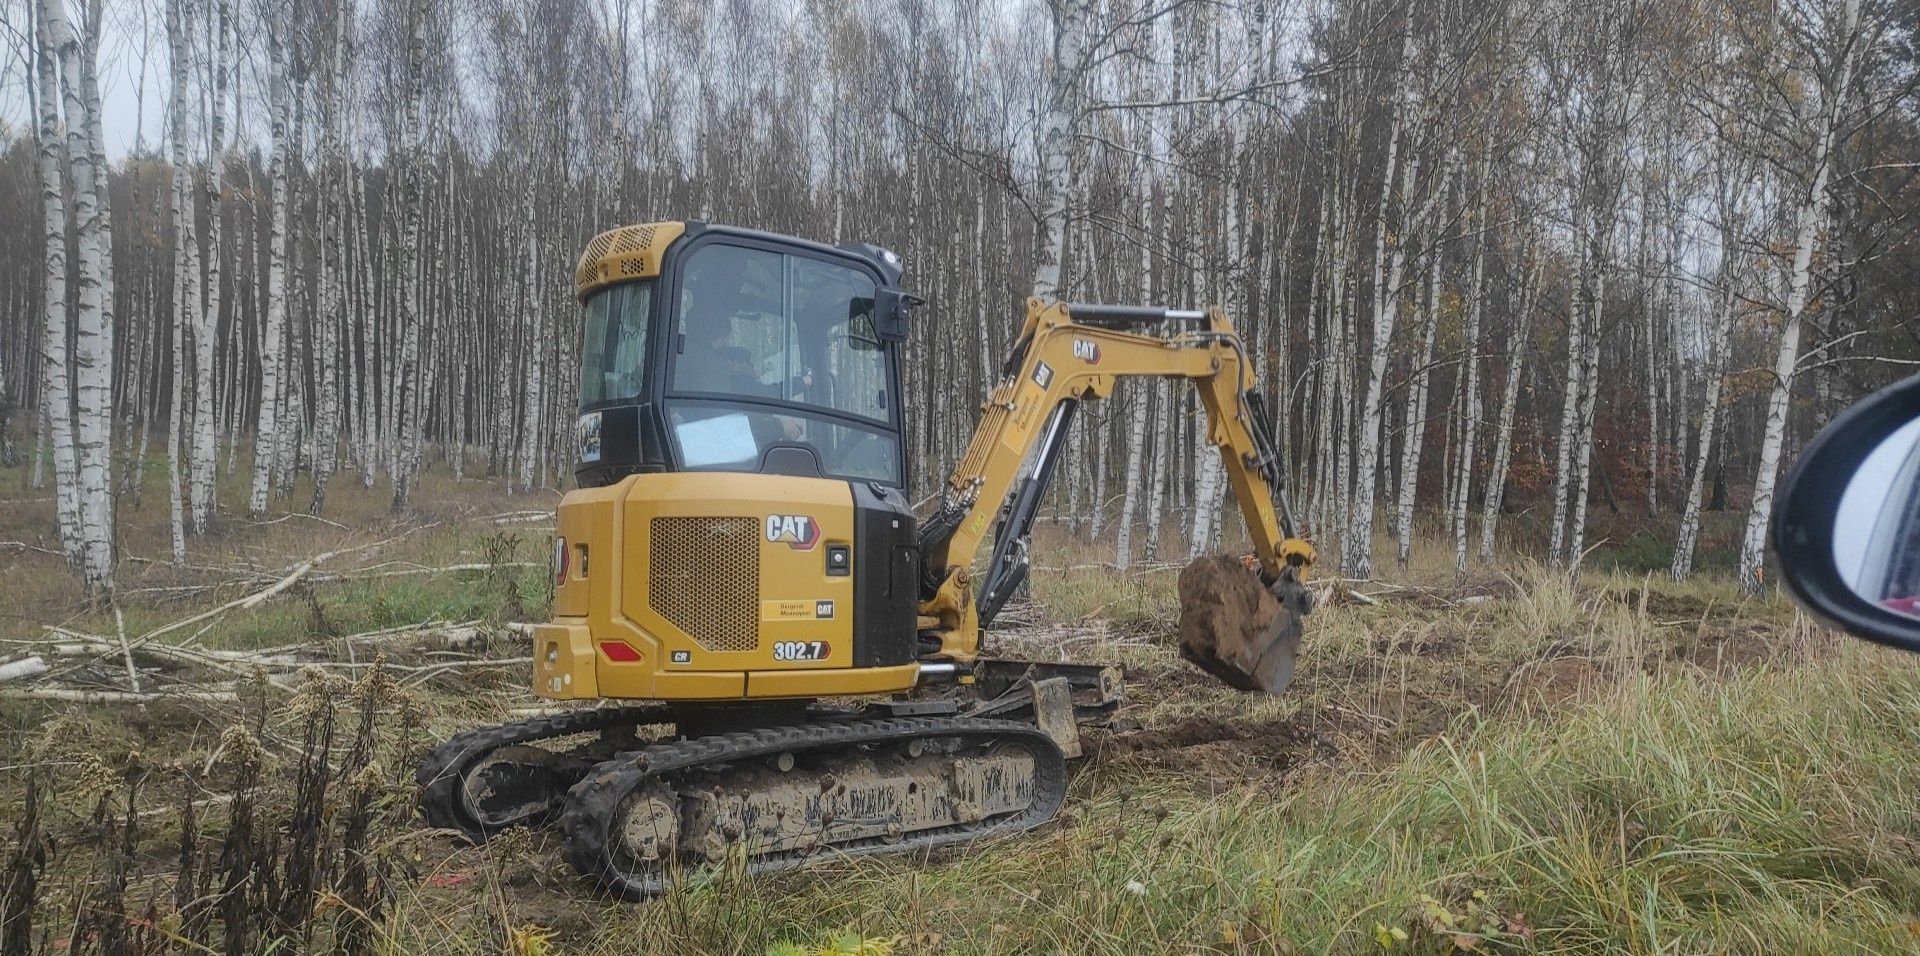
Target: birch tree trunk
column 1509, row 403
column 331, row 323
column 206, row 318
column 1414, row 424
column 1138, row 460
column 1209, row 473
column 1810, row 220
column 1389, row 264
column 266, row 433
column 1470, row 372
column 56, row 387
column 405, row 428
column 1058, row 122
column 1589, row 399
column 1715, row 362
column 91, row 398
column 186, row 267
column 1157, row 489
column 1570, row 397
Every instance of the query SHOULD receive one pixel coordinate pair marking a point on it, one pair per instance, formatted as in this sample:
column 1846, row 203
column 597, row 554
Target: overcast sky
column 124, row 41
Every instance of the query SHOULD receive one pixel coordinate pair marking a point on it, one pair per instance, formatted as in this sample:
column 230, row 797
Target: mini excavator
column 788, row 659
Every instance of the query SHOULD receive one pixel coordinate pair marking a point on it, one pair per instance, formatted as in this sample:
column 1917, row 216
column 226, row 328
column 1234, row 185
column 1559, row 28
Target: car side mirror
column 1847, row 531
column 890, row 305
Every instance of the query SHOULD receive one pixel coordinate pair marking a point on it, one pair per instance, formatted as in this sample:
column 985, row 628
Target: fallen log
column 23, row 669
column 78, row 695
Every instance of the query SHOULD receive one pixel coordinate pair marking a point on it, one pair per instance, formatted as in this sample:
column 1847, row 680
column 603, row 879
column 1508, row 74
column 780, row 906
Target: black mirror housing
column 1807, row 521
column 890, row 306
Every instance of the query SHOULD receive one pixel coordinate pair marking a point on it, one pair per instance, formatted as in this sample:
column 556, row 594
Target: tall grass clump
column 268, row 844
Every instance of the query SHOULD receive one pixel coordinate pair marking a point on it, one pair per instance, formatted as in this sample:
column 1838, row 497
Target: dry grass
column 1527, row 761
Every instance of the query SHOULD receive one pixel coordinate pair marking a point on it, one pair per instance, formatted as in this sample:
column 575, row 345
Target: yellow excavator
column 788, row 657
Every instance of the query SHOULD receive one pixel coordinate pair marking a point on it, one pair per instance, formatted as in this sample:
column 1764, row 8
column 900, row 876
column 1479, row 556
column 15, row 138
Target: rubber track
column 592, row 812
column 441, row 774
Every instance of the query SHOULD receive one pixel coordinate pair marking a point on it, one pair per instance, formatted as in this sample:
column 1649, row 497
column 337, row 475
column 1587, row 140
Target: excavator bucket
column 1237, row 628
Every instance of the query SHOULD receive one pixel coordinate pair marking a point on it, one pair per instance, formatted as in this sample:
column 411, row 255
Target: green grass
column 1519, row 762
column 1759, row 814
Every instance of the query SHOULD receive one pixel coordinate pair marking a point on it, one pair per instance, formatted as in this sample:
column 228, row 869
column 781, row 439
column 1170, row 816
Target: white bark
column 91, row 397
column 1509, row 403
column 535, row 332
column 56, row 384
column 266, row 433
column 1715, row 361
column 1413, row 426
column 1058, row 126
column 1157, row 489
column 1470, row 371
column 1810, row 220
column 1389, row 266
column 331, row 320
column 1589, row 400
column 1209, row 475
column 1570, row 395
column 186, row 264
column 206, row 318
column 406, row 428
column 1137, row 459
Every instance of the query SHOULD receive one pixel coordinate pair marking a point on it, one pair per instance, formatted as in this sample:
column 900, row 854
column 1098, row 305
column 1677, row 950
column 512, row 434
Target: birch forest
column 1516, row 276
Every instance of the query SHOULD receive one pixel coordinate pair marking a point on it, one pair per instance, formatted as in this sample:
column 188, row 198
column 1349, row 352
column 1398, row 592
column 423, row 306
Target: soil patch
column 1671, row 608
column 1729, row 648
column 1547, row 683
column 1211, row 749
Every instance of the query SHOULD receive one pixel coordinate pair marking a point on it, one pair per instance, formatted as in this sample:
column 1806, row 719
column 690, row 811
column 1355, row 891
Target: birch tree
column 1059, row 123
column 1389, row 267
column 1470, row 403
column 86, row 467
column 266, row 432
column 56, row 379
column 406, row 265
column 1829, row 44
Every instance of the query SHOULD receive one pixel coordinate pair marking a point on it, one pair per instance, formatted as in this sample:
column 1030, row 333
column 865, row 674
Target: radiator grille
column 624, row 241
column 632, row 239
column 705, row 579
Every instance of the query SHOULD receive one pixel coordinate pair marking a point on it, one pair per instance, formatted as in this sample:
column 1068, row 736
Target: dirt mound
column 1237, row 629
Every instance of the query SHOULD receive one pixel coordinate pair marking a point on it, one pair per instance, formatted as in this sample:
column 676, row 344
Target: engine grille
column 704, row 578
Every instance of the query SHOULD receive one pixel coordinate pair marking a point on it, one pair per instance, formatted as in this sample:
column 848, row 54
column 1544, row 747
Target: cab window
column 613, row 347
column 777, row 327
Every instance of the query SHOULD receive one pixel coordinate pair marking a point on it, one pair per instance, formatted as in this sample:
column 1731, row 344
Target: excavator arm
column 1066, row 354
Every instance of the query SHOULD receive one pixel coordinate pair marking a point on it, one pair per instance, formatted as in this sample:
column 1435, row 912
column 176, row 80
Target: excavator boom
column 1066, row 354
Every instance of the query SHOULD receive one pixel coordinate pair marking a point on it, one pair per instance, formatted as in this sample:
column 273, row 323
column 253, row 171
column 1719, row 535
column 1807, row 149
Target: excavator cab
column 708, row 348
column 740, row 531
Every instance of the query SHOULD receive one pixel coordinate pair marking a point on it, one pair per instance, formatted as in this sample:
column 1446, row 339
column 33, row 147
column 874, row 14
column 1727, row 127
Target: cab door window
column 766, row 325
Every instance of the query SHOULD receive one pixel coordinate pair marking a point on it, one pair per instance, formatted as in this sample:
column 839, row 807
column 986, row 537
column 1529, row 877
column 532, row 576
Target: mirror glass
column 1876, row 535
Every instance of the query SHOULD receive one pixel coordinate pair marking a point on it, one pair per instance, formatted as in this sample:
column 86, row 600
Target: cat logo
column 1087, row 350
column 800, row 532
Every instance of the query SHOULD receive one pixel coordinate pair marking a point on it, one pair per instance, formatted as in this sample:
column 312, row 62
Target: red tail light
column 620, row 652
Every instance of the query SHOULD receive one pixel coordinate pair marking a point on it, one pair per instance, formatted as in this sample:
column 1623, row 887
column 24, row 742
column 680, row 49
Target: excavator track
column 463, row 788
column 784, row 794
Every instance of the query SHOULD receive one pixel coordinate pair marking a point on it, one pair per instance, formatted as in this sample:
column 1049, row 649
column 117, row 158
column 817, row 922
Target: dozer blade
column 1238, row 629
